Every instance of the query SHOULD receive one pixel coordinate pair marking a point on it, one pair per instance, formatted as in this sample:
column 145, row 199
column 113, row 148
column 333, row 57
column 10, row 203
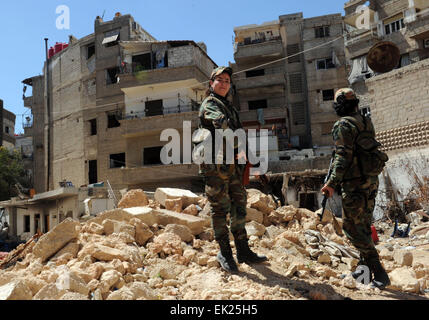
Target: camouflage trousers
column 227, row 194
column 358, row 207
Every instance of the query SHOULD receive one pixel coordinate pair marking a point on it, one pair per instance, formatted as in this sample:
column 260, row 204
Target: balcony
column 260, row 81
column 261, row 48
column 354, row 18
column 157, row 173
column 28, row 102
column 269, row 113
column 141, row 124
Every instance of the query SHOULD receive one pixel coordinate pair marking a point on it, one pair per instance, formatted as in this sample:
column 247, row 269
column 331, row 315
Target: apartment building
column 403, row 22
column 7, row 126
column 284, row 85
column 103, row 101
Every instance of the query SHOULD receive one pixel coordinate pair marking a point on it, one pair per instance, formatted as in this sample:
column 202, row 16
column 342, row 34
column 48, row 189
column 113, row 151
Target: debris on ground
column 164, row 248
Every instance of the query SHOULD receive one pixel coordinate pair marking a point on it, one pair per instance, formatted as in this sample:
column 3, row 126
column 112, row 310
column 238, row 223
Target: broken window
column 308, row 201
column 111, row 38
column 152, row 156
column 112, row 75
column 255, row 73
column 93, row 126
column 112, row 120
column 90, row 51
column 257, row 104
column 328, row 95
column 26, row 223
column 295, row 83
column 117, row 160
column 322, row 32
column 325, row 64
column 142, row 62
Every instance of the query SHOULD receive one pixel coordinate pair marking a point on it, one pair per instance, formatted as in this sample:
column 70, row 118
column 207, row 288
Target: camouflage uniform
column 224, row 183
column 224, row 187
column 358, row 192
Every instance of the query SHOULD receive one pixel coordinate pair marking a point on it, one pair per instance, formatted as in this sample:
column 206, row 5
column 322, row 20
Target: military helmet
column 220, row 70
column 345, row 94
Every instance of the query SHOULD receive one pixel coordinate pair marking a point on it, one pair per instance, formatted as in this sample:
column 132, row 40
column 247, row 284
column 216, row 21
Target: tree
column 11, row 172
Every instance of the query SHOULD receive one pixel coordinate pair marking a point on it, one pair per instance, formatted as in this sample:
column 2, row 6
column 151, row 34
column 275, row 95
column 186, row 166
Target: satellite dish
column 383, row 57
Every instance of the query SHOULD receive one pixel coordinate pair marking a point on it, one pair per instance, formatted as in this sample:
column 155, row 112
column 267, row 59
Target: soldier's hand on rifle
column 327, row 190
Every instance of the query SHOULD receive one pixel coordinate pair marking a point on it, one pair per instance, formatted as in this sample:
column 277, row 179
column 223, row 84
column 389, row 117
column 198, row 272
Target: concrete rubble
column 150, row 252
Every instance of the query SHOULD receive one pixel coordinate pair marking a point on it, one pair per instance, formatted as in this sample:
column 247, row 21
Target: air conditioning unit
column 426, row 43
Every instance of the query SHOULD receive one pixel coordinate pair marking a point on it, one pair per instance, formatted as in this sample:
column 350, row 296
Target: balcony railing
column 193, row 106
column 259, row 40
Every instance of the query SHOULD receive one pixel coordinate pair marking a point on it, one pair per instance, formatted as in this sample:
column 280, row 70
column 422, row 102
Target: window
column 152, row 156
column 112, row 121
column 293, row 49
column 93, row 125
column 328, row 95
column 26, row 223
column 247, row 40
column 322, row 32
column 295, row 83
column 112, row 75
column 154, row 108
column 6, row 129
column 90, row 51
column 257, row 104
column 111, row 38
column 394, row 26
column 325, row 64
column 92, row 172
column 117, row 160
column 255, row 73
column 142, row 62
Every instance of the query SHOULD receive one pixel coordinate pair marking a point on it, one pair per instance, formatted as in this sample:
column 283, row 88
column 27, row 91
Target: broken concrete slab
column 103, row 253
column 133, row 198
column 15, row 290
column 404, row 279
column 403, row 257
column 51, row 242
column 145, row 214
column 254, row 228
column 259, row 200
column 188, row 197
column 182, row 231
column 175, row 205
column 165, row 217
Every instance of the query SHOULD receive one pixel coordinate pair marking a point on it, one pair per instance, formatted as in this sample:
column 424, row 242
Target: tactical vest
column 370, row 160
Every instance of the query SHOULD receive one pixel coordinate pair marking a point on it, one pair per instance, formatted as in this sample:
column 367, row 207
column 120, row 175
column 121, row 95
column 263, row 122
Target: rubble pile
column 163, row 248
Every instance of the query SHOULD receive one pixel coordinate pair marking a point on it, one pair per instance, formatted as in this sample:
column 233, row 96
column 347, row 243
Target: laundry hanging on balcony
column 360, row 70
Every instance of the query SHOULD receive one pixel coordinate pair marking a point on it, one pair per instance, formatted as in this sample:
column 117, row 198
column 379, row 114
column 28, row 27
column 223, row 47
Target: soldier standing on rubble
column 224, row 182
column 357, row 189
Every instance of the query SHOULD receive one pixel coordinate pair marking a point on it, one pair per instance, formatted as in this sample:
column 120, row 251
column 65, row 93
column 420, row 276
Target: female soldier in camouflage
column 224, row 182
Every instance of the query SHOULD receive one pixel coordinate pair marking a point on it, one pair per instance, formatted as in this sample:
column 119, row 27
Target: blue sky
column 27, row 23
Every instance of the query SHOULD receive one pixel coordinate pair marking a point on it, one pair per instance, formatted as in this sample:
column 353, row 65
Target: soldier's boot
column 381, row 279
column 244, row 254
column 225, row 258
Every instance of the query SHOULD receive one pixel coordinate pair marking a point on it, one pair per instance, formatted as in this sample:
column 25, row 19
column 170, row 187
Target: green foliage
column 11, row 172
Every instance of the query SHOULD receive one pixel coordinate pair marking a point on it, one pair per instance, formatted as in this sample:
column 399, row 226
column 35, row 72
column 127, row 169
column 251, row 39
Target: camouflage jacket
column 345, row 166
column 217, row 113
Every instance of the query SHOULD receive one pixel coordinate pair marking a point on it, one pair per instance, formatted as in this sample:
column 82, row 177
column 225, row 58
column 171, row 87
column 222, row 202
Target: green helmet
column 220, row 70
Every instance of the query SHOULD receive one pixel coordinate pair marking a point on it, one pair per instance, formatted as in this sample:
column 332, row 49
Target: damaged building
column 7, row 126
column 283, row 86
column 397, row 100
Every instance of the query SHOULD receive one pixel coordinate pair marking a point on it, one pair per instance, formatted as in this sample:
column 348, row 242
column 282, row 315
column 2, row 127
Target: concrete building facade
column 7, row 126
column 403, row 22
column 283, row 85
column 110, row 95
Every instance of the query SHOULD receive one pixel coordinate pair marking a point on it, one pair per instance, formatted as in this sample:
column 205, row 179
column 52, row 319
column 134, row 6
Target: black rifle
column 325, row 198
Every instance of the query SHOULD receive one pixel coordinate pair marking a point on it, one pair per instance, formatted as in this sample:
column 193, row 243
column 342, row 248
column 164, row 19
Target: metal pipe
column 48, row 114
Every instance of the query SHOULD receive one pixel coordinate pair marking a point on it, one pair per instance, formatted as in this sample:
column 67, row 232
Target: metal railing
column 193, row 106
column 259, row 40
